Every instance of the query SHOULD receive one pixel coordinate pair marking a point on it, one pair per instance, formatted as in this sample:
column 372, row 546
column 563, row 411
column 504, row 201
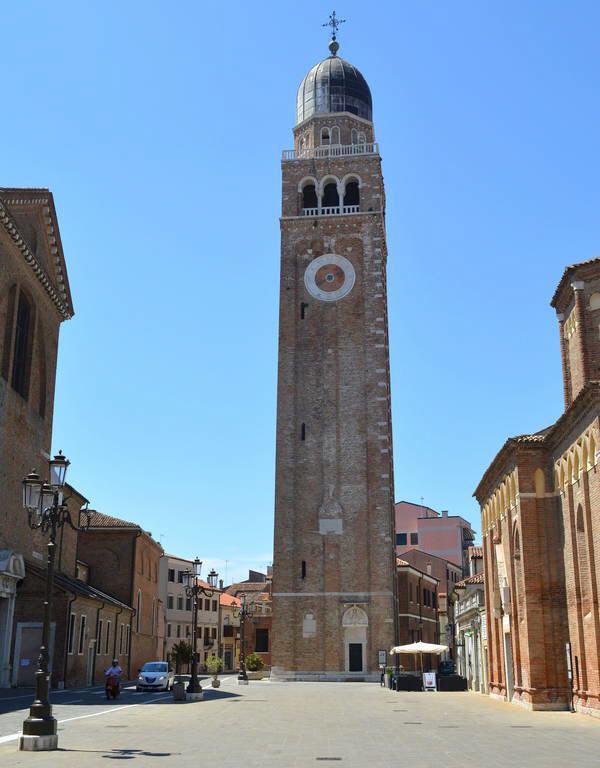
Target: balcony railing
column 336, row 150
column 331, row 210
column 474, row 600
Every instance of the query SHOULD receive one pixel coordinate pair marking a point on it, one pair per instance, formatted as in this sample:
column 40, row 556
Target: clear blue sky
column 158, row 126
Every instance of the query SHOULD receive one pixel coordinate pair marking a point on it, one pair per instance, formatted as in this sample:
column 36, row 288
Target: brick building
column 229, row 649
column 417, row 612
column 34, row 301
column 443, row 535
column 448, row 574
column 124, row 561
column 540, row 503
column 89, row 627
column 258, row 629
column 334, row 568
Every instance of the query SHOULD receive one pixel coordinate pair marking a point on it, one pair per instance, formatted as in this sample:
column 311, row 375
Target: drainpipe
column 96, row 644
column 129, row 646
column 420, row 608
column 116, row 633
column 66, row 658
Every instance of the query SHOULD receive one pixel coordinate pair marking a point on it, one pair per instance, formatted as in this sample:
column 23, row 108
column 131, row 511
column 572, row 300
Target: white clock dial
column 329, row 277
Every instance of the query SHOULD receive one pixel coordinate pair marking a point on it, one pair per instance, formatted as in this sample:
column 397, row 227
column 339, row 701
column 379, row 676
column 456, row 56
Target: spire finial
column 334, row 23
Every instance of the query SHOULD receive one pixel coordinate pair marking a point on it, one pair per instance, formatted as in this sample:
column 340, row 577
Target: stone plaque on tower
column 334, row 571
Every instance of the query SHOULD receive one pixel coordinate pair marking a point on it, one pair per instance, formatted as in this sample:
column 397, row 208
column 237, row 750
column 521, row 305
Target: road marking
column 73, row 701
column 90, row 689
column 14, row 736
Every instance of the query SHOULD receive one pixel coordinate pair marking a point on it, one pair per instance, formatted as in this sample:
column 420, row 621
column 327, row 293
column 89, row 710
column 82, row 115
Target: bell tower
column 334, row 570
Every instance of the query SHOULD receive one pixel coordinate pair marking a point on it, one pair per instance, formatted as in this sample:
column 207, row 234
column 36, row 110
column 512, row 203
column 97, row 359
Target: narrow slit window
column 303, row 431
column 303, row 308
column 304, row 569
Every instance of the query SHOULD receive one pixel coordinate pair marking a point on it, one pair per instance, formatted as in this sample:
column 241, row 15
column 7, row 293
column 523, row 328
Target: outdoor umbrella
column 420, row 648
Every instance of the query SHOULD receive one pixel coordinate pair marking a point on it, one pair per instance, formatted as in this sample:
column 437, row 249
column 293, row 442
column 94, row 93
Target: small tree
column 182, row 653
column 214, row 664
column 254, row 663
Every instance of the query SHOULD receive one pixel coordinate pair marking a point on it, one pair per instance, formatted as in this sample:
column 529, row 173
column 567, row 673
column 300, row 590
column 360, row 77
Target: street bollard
column 179, row 691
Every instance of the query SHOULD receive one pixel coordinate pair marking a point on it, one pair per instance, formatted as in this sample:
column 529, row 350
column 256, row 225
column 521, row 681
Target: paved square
column 289, row 725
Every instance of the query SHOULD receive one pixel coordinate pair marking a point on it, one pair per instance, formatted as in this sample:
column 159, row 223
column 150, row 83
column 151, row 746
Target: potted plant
column 214, row 664
column 254, row 666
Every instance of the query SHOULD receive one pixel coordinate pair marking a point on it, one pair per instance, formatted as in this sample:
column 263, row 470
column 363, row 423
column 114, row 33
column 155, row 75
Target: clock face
column 329, row 277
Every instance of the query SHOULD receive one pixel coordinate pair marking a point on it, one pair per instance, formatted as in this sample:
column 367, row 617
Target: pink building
column 446, row 536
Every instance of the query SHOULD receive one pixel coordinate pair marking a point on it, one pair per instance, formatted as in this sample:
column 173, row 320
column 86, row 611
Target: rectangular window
column 410, row 592
column 414, row 538
column 121, row 639
column 168, row 630
column 180, row 603
column 188, row 603
column 171, row 574
column 214, row 605
column 262, row 640
column 82, row 626
column 179, row 630
column 170, row 602
column 188, row 630
column 228, row 630
column 127, row 639
column 71, row 633
column 433, row 600
column 99, row 637
column 207, row 605
column 180, row 577
column 400, row 539
column 206, row 631
column 214, row 633
column 107, row 639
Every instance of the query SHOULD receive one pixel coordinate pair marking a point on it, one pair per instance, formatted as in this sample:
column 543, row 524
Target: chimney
column 220, row 583
column 444, row 513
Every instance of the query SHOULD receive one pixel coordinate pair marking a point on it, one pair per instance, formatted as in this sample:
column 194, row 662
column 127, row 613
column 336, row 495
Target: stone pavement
column 295, row 725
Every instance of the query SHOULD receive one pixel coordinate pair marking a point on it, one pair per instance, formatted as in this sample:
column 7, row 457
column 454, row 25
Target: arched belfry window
column 354, row 136
column 309, row 196
column 325, row 137
column 351, row 193
column 335, row 135
column 331, row 197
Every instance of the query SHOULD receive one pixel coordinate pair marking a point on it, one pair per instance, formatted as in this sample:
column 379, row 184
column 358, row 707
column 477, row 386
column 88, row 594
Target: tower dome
column 333, row 85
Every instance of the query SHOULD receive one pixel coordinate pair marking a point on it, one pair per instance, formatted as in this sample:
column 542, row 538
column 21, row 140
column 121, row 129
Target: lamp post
column 193, row 590
column 245, row 611
column 46, row 511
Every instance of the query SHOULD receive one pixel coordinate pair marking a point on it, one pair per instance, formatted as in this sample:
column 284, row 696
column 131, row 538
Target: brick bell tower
column 334, row 570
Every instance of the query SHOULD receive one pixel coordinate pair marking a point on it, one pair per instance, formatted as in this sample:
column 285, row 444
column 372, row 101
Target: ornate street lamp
column 245, row 611
column 193, row 590
column 46, row 511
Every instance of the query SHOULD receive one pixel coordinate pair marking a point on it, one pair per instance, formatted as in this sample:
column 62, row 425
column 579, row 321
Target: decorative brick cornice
column 59, row 296
column 545, row 439
column 564, row 289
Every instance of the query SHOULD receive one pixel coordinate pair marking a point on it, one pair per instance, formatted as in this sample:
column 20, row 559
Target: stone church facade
column 540, row 502
column 333, row 578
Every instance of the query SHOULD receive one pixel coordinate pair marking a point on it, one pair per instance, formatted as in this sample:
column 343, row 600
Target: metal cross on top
column 334, row 23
